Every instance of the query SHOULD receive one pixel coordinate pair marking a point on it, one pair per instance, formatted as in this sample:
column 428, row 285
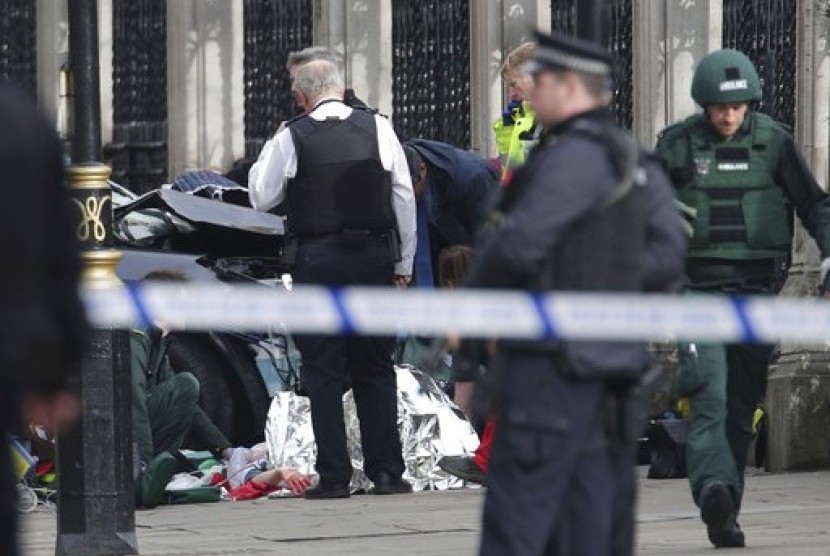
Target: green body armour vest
column 741, row 213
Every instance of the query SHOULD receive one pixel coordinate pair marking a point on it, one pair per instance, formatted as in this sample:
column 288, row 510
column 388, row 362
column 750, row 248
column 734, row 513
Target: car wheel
column 193, row 354
column 249, row 392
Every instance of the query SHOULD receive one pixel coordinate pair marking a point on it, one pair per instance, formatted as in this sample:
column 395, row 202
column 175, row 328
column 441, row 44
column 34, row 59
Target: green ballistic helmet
column 725, row 77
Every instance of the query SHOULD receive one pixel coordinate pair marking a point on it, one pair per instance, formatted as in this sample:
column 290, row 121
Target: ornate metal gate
column 765, row 31
column 620, row 44
column 138, row 153
column 563, row 16
column 273, row 29
column 431, row 70
column 618, row 22
column 18, row 52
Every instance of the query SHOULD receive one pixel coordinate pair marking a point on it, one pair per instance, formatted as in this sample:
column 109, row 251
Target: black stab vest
column 340, row 182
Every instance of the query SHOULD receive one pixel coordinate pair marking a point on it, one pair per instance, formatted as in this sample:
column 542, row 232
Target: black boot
column 385, row 483
column 327, row 491
column 717, row 509
column 463, row 467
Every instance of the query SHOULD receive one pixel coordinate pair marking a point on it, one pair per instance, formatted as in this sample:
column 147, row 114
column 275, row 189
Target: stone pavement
column 787, row 513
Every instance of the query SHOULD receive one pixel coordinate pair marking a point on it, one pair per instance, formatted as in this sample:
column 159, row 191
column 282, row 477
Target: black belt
column 347, row 237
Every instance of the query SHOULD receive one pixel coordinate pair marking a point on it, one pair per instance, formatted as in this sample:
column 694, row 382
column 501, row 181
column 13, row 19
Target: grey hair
column 309, row 54
column 317, row 77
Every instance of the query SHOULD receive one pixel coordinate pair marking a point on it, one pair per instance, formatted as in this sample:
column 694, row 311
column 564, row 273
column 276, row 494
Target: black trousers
column 328, row 361
column 8, row 494
column 627, row 414
column 550, row 484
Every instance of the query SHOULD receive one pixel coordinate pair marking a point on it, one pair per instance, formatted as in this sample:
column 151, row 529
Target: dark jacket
column 461, row 187
column 565, row 181
column 42, row 323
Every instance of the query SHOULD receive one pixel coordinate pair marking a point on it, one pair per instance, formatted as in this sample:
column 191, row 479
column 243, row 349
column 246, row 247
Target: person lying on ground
column 273, row 480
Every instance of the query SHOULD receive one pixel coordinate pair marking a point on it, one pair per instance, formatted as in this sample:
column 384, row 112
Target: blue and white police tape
column 472, row 313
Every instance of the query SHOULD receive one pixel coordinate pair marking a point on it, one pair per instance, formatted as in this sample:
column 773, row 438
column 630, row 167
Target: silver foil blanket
column 430, row 426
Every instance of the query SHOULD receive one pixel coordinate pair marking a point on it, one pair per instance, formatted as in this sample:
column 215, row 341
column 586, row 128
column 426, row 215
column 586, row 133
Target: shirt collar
column 327, row 100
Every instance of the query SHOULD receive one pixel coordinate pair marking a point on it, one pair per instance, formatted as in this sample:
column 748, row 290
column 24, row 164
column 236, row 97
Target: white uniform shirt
column 277, row 163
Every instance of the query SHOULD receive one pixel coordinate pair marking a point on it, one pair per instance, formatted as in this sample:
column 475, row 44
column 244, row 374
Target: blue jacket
column 460, row 189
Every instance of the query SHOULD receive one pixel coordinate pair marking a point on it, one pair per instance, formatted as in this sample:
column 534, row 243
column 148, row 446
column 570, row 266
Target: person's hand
column 402, row 281
column 297, row 482
column 464, row 395
column 507, row 116
column 52, row 411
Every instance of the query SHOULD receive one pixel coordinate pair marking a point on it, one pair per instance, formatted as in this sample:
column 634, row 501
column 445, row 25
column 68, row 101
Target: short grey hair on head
column 309, row 54
column 318, row 77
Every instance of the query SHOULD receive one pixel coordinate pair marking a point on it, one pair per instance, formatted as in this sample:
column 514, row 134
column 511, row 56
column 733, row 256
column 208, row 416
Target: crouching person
column 165, row 408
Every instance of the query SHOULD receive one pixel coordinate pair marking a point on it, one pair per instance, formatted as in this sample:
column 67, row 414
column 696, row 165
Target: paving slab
column 784, row 514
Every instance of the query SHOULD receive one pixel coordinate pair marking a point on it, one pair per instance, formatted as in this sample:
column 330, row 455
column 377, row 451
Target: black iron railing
column 431, row 70
column 563, row 16
column 273, row 29
column 620, row 43
column 618, row 25
column 138, row 152
column 18, row 52
column 765, row 31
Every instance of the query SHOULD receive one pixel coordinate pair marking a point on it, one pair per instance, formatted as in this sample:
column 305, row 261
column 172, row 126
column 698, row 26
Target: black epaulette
column 296, row 118
column 370, row 110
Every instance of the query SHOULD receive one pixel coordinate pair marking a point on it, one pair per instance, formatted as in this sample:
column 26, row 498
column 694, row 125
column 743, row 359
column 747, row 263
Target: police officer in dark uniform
column 351, row 208
column 587, row 212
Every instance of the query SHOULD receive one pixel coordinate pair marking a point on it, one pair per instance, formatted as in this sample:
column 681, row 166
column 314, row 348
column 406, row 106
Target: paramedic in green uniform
column 742, row 174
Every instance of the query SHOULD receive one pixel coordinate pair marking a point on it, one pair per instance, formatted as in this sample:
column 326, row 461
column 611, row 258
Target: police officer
column 311, row 53
column 516, row 130
column 743, row 175
column 241, row 168
column 587, row 212
column 351, row 207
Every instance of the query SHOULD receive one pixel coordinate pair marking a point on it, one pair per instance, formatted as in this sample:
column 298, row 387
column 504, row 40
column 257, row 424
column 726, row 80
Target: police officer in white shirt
column 343, row 177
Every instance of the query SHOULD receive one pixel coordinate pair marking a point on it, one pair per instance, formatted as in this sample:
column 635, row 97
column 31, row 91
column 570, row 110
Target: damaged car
column 189, row 232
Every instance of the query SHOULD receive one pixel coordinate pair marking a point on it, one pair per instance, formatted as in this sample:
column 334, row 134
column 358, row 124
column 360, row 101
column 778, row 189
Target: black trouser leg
column 628, row 416
column 324, row 369
column 327, row 360
column 586, row 525
column 548, row 442
column 375, row 392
